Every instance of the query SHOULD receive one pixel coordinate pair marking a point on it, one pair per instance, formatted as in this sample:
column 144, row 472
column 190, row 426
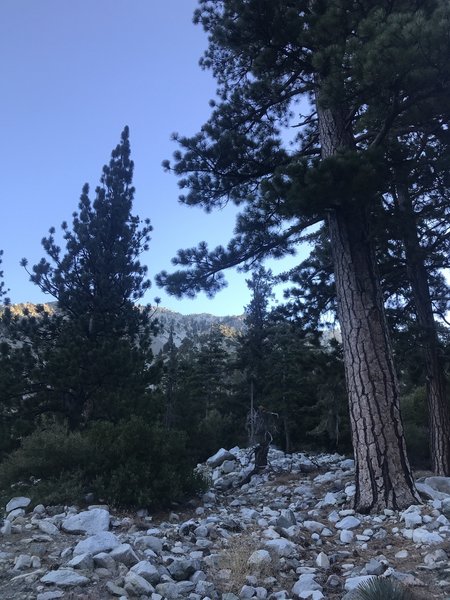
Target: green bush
column 140, row 464
column 383, row 589
column 132, row 463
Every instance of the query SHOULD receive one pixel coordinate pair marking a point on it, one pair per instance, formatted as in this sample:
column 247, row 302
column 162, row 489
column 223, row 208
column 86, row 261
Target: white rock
column 228, row 466
column 145, row 569
column 247, row 591
column 348, row 522
column 81, row 561
column 441, row 484
column 346, row 536
column 322, row 560
column 407, row 533
column 333, row 517
column 413, row 508
column 427, row 491
column 305, row 584
column 423, row 536
column 412, row 519
column 437, row 556
column 151, row 542
column 352, row 582
column 89, row 521
column 259, row 559
column 54, row 595
column 219, row 457
column 17, row 502
column 104, row 560
column 7, row 528
column 64, row 578
column 101, row 542
column 17, row 512
column 23, row 561
column 39, row 509
column 327, row 477
column 350, row 490
column 47, row 527
column 125, row 554
column 329, row 500
column 282, row 547
column 313, row 526
column 137, row 585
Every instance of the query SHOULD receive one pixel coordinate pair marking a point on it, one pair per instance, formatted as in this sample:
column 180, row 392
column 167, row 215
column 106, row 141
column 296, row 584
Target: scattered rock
column 101, row 542
column 90, row 521
column 17, row 502
column 65, row 578
column 293, row 532
column 219, row 458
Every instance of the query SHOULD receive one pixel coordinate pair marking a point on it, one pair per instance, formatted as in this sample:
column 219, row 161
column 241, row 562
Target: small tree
column 252, row 347
column 93, row 355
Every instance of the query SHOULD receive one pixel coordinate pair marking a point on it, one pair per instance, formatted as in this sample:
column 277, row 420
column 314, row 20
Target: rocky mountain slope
column 192, row 325
column 182, row 325
column 288, row 534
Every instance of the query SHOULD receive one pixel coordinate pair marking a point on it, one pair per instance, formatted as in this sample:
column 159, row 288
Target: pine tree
column 252, row 345
column 362, row 73
column 93, row 356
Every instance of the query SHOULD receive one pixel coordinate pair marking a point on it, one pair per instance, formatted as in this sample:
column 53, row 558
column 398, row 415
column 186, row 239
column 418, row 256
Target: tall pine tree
column 348, row 76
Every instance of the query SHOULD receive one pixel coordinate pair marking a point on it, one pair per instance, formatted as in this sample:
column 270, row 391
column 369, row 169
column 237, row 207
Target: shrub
column 231, row 572
column 141, row 464
column 132, row 463
column 383, row 589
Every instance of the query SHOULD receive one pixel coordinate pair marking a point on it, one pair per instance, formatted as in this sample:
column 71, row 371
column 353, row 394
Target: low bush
column 132, row 463
column 383, row 589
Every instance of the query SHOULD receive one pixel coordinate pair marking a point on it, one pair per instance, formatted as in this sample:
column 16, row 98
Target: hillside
column 183, row 325
column 192, row 325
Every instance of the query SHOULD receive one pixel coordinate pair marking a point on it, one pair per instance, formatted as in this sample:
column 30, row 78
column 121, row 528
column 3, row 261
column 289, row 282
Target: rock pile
column 288, row 534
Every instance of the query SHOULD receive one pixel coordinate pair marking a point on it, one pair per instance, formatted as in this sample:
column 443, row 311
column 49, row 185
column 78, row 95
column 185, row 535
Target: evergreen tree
column 93, row 355
column 407, row 186
column 252, row 346
column 364, row 72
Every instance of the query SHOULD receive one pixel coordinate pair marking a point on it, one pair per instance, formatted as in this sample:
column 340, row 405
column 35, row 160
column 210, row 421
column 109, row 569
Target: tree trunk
column 261, row 454
column 383, row 475
column 438, row 411
column 287, row 434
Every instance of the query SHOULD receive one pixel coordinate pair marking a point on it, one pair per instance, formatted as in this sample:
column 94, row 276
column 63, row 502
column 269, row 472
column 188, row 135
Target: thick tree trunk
column 383, row 475
column 438, row 410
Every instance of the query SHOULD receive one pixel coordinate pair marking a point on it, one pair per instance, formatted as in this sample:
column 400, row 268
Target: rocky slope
column 289, row 533
column 192, row 325
column 182, row 325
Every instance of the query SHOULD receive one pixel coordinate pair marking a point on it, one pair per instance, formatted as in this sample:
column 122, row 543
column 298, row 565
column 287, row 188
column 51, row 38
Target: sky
column 73, row 75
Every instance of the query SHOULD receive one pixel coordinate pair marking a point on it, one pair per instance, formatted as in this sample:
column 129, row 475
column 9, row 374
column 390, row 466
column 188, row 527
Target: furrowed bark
column 383, row 474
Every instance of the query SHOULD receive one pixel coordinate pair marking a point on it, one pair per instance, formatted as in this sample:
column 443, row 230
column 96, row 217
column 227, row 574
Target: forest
column 330, row 127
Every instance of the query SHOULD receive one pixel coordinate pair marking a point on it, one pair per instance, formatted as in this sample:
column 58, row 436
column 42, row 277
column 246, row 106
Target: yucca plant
column 383, row 589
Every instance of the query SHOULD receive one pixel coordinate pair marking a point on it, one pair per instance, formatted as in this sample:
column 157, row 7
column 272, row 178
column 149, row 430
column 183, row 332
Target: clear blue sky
column 73, row 74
